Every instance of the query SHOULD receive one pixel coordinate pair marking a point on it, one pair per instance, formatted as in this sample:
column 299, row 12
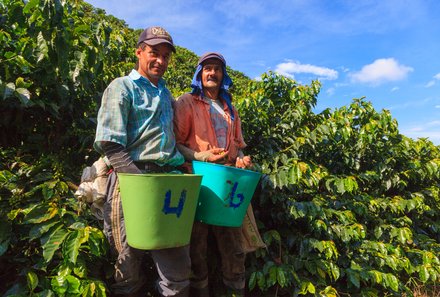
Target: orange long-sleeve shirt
column 193, row 127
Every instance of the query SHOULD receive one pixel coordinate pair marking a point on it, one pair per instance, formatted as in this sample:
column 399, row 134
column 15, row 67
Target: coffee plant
column 47, row 246
column 347, row 205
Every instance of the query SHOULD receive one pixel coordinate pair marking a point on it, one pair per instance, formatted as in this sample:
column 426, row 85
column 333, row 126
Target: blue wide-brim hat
column 196, row 84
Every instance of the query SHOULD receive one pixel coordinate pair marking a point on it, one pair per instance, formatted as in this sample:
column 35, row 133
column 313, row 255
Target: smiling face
column 153, row 61
column 212, row 74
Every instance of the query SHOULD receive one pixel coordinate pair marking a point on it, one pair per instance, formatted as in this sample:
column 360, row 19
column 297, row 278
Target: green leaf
column 340, row 185
column 30, row 5
column 72, row 244
column 97, row 242
column 24, row 95
column 252, row 281
column 429, row 257
column 5, row 235
column 392, row 261
column 335, row 273
column 64, row 270
column 353, row 277
column 329, row 291
column 376, row 276
column 281, row 277
column 378, row 232
column 54, row 243
column 40, row 213
column 295, row 174
column 79, row 65
column 282, row 178
column 261, row 280
column 321, row 272
column 311, row 288
column 402, row 234
column 270, row 235
column 21, row 83
column 32, row 280
column 423, row 273
column 350, row 184
column 42, row 48
column 306, row 287
column 273, row 272
column 328, row 184
column 392, row 282
column 94, row 289
column 40, row 229
column 59, row 285
column 74, row 285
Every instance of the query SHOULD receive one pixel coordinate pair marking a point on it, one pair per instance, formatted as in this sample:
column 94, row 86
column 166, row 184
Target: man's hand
column 212, row 155
column 243, row 162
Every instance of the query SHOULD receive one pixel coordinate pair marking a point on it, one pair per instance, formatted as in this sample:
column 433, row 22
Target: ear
column 138, row 52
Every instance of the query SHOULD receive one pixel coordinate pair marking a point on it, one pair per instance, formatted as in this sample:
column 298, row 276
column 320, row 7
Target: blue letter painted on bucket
column 232, row 195
column 167, row 208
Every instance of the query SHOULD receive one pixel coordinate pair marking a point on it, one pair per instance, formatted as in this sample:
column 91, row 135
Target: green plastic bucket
column 225, row 193
column 159, row 209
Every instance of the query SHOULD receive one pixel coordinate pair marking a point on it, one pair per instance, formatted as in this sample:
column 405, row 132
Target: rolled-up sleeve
column 112, row 116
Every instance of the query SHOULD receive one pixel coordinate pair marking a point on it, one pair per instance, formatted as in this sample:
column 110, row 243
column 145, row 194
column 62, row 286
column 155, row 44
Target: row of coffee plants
column 349, row 207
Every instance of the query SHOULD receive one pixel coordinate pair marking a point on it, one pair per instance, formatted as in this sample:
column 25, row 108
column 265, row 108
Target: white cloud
column 433, row 136
column 380, row 71
column 428, row 125
column 290, row 68
column 437, row 106
column 428, row 130
column 433, row 82
column 330, row 91
column 426, row 102
column 425, row 127
column 394, row 89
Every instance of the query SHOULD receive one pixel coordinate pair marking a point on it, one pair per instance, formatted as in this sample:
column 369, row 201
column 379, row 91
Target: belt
column 150, row 167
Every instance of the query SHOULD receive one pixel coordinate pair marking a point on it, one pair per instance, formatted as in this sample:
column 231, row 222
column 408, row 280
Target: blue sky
column 385, row 50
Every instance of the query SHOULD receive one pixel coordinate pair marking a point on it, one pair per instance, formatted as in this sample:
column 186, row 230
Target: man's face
column 153, row 61
column 212, row 74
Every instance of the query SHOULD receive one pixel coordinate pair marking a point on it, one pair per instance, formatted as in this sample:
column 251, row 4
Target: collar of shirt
column 135, row 75
column 208, row 101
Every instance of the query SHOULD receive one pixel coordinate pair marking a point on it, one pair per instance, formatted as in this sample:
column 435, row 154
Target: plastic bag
column 251, row 238
column 92, row 189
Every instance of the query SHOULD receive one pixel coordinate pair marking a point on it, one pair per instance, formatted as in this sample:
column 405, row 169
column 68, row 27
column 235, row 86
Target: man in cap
column 208, row 128
column 135, row 133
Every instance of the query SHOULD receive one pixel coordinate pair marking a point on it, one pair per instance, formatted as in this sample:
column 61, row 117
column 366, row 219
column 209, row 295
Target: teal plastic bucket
column 159, row 209
column 225, row 193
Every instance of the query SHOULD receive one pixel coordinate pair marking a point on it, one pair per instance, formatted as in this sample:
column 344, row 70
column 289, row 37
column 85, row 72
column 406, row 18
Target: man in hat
column 208, row 128
column 135, row 133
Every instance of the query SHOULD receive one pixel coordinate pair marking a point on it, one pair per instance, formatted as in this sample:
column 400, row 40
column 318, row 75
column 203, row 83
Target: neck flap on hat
column 197, row 87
